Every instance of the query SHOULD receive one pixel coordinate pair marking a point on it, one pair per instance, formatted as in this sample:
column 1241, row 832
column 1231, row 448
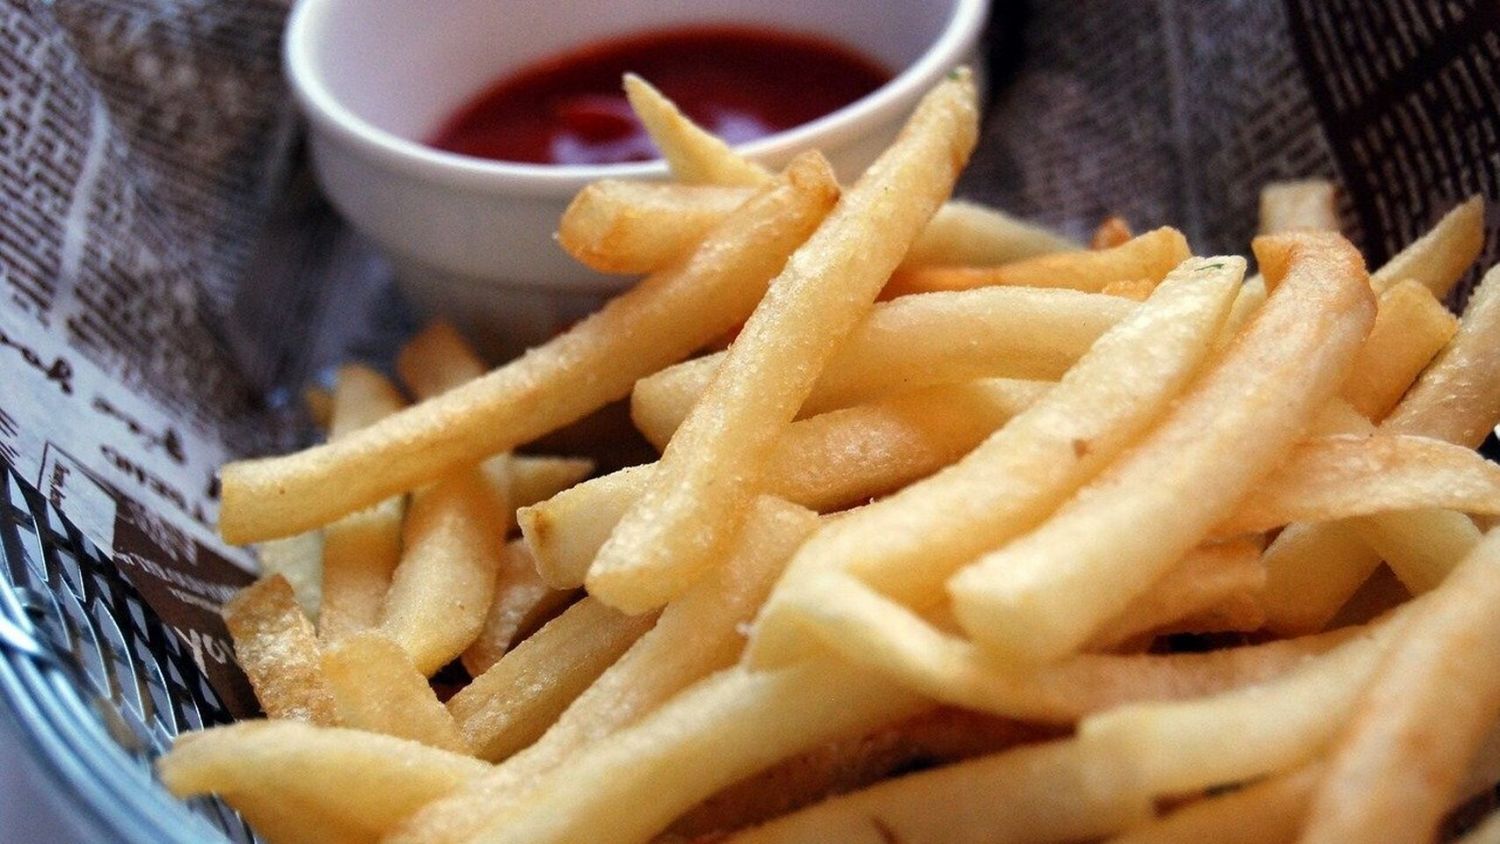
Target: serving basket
column 98, row 684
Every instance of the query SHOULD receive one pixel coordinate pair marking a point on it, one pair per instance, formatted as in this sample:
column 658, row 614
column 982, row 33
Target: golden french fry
column 868, row 630
column 1043, row 595
column 445, row 583
column 1246, row 304
column 670, row 537
column 1208, row 578
column 436, row 360
column 904, row 547
column 632, row 784
column 912, row 342
column 360, row 784
column 1179, row 747
column 1439, row 258
column 695, row 156
column 299, row 559
column 641, row 227
column 695, row 636
column 1338, row 477
column 847, row 764
column 1411, row 326
column 523, row 602
column 520, row 696
column 276, row 647
column 1114, row 231
column 826, row 462
column 1299, row 205
column 1311, row 571
column 1049, row 792
column 1271, row 810
column 1148, row 256
column 970, row 234
column 378, row 688
column 960, row 232
column 1137, row 289
column 536, row 478
column 1457, row 399
column 362, row 549
column 658, row 322
column 1421, row 545
column 1433, row 699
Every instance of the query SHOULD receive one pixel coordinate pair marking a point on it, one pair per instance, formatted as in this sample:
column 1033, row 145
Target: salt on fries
column 952, row 469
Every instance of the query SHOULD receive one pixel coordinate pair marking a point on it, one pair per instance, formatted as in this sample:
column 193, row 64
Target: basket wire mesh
column 99, row 685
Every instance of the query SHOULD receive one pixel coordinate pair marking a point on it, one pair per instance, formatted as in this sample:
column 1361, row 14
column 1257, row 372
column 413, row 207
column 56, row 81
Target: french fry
column 378, row 688
column 1410, row 328
column 444, row 585
column 960, row 231
column 359, row 784
column 536, row 478
column 912, row 342
column 1439, row 258
column 641, row 227
column 848, row 764
column 437, row 360
column 1433, row 699
column 1307, row 204
column 299, row 559
column 1137, row 289
column 1457, row 399
column 1207, row 578
column 633, row 783
column 696, row 635
column 276, row 647
column 361, row 550
column 1050, row 792
column 523, row 601
column 826, row 462
column 1178, row 747
column 660, row 321
column 1043, row 595
column 877, row 633
column 671, row 535
column 1114, row 231
column 1148, row 256
column 520, row 696
column 1339, row 477
column 695, row 156
column 1271, row 810
column 905, row 546
column 974, row 235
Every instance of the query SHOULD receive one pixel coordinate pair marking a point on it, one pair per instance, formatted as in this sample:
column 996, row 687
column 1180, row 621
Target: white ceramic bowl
column 472, row 238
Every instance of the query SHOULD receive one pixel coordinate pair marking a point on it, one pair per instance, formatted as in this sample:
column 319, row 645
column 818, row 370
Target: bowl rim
column 308, row 22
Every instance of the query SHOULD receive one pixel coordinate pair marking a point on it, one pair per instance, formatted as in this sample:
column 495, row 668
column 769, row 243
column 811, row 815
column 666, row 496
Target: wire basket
column 100, row 687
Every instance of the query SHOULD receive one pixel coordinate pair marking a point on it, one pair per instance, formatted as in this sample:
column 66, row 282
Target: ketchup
column 740, row 83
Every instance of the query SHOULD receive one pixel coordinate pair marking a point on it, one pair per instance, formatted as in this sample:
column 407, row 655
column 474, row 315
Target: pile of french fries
column 940, row 498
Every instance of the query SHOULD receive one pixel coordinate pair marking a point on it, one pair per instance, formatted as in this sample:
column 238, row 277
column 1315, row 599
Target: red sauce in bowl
column 740, row 83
